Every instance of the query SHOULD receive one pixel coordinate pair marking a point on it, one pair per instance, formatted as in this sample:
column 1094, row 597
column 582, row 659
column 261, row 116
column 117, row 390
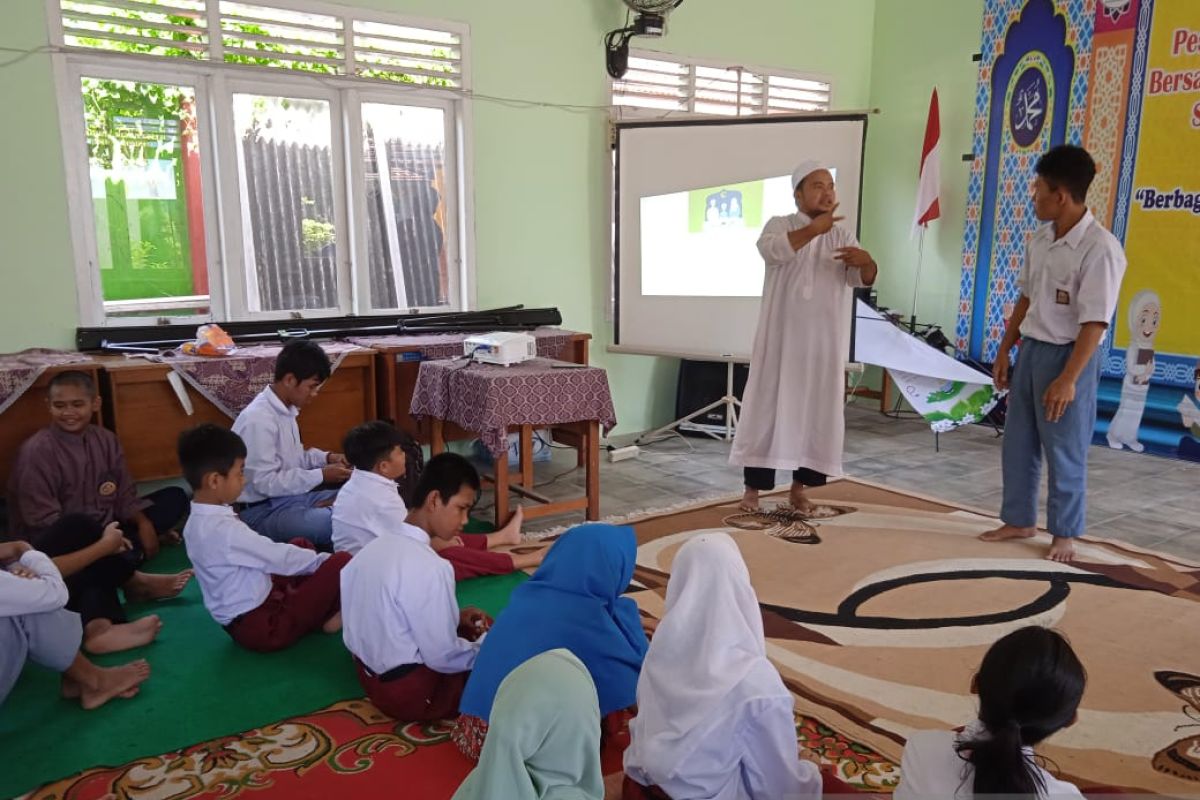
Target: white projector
column 503, row 348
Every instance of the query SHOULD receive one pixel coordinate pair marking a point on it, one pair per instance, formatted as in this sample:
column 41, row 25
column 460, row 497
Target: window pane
column 404, row 152
column 144, row 165
column 287, row 198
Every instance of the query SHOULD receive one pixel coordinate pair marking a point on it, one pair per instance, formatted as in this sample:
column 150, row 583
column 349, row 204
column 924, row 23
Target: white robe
column 792, row 411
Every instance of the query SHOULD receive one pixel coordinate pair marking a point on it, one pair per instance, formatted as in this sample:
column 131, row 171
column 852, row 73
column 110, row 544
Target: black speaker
column 701, row 383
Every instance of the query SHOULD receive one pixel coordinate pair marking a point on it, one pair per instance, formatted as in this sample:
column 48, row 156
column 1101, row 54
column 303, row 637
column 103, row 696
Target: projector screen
column 691, row 199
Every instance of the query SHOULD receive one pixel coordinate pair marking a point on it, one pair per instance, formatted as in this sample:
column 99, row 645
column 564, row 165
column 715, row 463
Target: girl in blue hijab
column 574, row 602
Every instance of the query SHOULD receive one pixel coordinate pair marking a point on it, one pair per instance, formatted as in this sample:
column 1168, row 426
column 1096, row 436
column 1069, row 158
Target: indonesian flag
column 927, row 185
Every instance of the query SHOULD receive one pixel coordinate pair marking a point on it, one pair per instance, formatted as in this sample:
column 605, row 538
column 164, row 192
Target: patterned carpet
column 351, row 750
column 876, row 617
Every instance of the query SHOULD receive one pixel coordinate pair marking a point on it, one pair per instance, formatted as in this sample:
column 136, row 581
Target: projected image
column 702, row 242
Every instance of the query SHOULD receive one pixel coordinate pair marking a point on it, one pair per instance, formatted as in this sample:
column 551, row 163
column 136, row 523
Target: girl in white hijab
column 714, row 718
column 1145, row 311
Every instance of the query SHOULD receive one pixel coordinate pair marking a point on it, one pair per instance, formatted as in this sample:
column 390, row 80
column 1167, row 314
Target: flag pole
column 912, row 324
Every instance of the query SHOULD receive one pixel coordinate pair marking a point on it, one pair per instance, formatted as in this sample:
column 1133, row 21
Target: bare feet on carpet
column 1062, row 549
column 1005, row 532
column 511, row 533
column 749, row 500
column 95, row 686
column 798, row 500
column 102, row 636
column 145, row 586
column 170, row 538
column 333, row 624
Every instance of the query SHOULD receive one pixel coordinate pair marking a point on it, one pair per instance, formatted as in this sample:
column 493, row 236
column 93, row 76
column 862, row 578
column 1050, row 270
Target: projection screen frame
column 621, row 126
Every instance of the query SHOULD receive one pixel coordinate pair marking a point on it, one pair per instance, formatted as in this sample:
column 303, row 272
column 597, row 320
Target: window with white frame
column 665, row 84
column 260, row 160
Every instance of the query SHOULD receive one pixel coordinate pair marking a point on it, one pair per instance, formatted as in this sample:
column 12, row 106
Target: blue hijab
column 573, row 601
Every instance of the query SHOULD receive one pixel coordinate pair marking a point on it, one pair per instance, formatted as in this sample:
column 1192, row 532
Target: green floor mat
column 201, row 686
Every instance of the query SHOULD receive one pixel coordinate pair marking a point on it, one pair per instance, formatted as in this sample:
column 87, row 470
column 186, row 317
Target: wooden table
column 493, row 401
column 521, row 482
column 883, row 393
column 29, row 413
column 146, row 415
column 397, row 363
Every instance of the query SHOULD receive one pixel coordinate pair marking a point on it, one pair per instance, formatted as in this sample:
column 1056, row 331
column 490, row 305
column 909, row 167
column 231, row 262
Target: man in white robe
column 792, row 411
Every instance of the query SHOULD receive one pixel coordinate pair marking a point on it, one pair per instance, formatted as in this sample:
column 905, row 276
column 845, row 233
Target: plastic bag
column 211, row 340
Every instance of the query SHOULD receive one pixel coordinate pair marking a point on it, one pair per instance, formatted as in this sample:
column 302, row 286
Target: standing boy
column 1069, row 285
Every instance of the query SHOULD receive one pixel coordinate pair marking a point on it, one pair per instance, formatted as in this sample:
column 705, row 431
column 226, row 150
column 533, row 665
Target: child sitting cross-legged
column 266, row 594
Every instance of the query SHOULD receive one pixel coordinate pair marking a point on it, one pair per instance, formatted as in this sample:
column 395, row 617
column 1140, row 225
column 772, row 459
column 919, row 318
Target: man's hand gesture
column 823, row 223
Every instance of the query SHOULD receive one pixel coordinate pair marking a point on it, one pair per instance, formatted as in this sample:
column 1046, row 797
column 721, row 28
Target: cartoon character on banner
column 1145, row 314
column 1189, row 413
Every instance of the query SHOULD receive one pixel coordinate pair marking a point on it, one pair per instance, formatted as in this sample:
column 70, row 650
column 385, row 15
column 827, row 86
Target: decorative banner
column 946, row 392
column 1122, row 78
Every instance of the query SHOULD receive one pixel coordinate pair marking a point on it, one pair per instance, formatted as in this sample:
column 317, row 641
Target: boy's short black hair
column 1069, row 167
column 73, row 377
column 446, row 474
column 208, row 448
column 304, row 359
column 368, row 444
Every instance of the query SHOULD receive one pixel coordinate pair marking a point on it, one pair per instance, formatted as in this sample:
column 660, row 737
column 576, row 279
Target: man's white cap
column 804, row 170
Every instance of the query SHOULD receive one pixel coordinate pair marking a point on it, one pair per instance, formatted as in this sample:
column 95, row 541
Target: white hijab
column 710, row 638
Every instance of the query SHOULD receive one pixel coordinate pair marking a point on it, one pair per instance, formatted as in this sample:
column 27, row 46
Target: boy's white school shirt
column 931, row 767
column 46, row 592
column 367, row 506
column 277, row 464
column 399, row 606
column 1070, row 280
column 234, row 565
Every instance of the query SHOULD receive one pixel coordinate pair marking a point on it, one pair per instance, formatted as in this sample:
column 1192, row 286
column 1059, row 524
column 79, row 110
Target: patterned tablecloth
column 486, row 399
column 19, row 371
column 551, row 343
column 231, row 382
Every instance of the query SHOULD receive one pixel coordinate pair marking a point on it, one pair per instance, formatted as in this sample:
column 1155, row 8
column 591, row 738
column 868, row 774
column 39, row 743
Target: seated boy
column 266, row 595
column 412, row 646
column 281, row 474
column 369, row 505
column 34, row 626
column 75, row 467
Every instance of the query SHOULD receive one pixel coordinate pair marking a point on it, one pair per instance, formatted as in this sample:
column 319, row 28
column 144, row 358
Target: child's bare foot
column 72, row 690
column 101, row 636
column 1062, row 549
column 510, row 534
column 528, row 560
column 171, row 538
column 749, row 500
column 153, row 586
column 333, row 624
column 105, row 683
column 1007, row 532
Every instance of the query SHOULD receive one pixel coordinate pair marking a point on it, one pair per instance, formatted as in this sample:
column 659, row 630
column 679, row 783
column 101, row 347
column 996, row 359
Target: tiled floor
column 1141, row 499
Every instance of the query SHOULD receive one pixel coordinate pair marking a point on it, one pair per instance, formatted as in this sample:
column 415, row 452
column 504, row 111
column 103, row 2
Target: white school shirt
column 1070, row 281
column 399, row 606
column 367, row 506
column 234, row 565
column 277, row 464
column 930, row 767
column 46, row 592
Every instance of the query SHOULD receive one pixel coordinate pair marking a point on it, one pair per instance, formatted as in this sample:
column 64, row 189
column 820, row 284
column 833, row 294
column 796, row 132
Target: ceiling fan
column 651, row 20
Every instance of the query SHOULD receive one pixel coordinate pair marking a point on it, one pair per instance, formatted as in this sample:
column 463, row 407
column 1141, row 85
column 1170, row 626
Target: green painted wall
column 541, row 220
column 919, row 44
